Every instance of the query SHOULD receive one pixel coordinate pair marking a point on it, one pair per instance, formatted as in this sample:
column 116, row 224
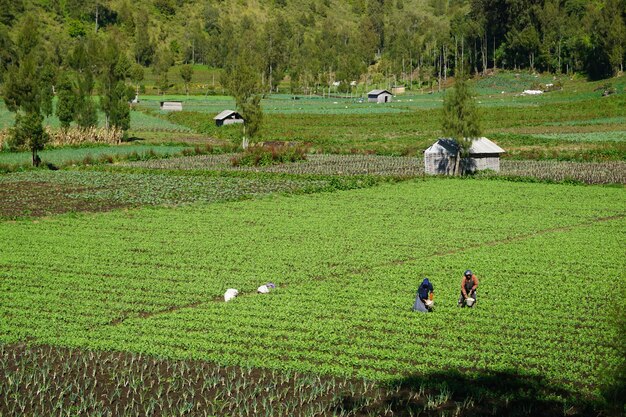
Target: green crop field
column 63, row 156
column 399, row 166
column 113, row 267
column 346, row 265
column 70, row 191
column 575, row 123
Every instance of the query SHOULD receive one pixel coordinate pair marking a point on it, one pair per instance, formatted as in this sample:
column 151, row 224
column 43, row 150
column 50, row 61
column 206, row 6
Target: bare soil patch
column 37, row 199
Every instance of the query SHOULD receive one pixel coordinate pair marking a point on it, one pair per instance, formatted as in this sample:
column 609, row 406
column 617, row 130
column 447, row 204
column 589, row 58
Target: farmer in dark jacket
column 469, row 284
column 423, row 298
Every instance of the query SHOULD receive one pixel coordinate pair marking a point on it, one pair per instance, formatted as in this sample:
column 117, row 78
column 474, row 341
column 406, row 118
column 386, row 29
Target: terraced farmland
column 347, row 265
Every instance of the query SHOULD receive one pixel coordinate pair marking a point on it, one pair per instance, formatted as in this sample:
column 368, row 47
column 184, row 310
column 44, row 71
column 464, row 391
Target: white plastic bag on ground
column 230, row 294
column 265, row 289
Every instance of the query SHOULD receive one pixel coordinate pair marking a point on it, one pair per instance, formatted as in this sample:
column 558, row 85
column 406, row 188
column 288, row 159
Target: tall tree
column 84, row 61
column 143, row 49
column 7, row 50
column 115, row 94
column 376, row 15
column 66, row 99
column 276, row 38
column 241, row 78
column 28, row 89
column 186, row 73
column 614, row 43
column 461, row 121
column 161, row 67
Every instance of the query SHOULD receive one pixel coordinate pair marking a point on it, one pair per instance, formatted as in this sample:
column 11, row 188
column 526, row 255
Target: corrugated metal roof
column 479, row 146
column 484, row 145
column 377, row 92
column 448, row 146
column 225, row 114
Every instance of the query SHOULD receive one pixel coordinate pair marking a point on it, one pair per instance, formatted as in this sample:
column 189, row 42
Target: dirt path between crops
column 363, row 270
column 516, row 238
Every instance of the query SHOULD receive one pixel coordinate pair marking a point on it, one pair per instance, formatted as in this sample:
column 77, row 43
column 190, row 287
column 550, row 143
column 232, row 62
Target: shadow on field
column 471, row 395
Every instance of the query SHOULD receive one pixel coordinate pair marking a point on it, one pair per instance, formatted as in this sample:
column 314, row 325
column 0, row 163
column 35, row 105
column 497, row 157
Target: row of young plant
column 43, row 381
column 177, row 238
column 359, row 164
column 347, row 266
column 174, row 234
column 350, row 326
column 97, row 383
column 105, row 188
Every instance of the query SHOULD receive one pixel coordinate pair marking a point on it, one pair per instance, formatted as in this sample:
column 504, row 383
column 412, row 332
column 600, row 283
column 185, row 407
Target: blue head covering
column 425, row 288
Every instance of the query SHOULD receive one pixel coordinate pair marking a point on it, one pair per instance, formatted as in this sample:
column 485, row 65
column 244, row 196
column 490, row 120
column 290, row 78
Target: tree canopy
column 461, row 120
column 320, row 42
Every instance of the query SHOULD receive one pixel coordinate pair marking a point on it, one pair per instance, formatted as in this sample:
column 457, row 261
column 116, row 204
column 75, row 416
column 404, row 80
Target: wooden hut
column 228, row 117
column 172, row 105
column 440, row 157
column 379, row 96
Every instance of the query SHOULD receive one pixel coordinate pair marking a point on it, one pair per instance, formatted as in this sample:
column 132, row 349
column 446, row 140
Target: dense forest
column 316, row 42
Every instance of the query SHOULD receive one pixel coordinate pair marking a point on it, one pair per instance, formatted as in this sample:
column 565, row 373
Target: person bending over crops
column 424, row 297
column 469, row 284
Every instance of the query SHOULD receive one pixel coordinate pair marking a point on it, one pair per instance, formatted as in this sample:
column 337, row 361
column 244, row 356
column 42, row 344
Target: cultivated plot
column 347, row 265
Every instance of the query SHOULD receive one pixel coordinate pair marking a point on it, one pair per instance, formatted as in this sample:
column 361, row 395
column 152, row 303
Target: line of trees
column 33, row 75
column 318, row 42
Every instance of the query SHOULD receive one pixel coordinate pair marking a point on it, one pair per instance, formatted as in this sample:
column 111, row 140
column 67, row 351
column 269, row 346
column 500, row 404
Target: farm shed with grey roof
column 171, row 105
column 228, row 117
column 379, row 96
column 440, row 157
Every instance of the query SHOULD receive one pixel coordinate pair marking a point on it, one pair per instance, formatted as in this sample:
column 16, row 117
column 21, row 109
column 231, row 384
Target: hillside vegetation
column 316, row 42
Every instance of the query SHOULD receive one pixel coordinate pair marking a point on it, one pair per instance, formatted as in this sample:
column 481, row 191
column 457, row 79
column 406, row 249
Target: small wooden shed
column 172, row 105
column 228, row 117
column 440, row 157
column 379, row 96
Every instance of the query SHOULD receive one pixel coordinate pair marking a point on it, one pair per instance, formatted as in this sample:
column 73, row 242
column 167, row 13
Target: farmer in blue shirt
column 423, row 298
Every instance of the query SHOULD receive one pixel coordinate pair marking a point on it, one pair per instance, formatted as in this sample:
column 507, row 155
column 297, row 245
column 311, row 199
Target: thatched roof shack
column 228, row 117
column 379, row 96
column 440, row 157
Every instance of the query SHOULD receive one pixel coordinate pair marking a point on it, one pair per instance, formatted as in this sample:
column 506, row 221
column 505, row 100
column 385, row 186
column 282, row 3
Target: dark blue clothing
column 425, row 289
